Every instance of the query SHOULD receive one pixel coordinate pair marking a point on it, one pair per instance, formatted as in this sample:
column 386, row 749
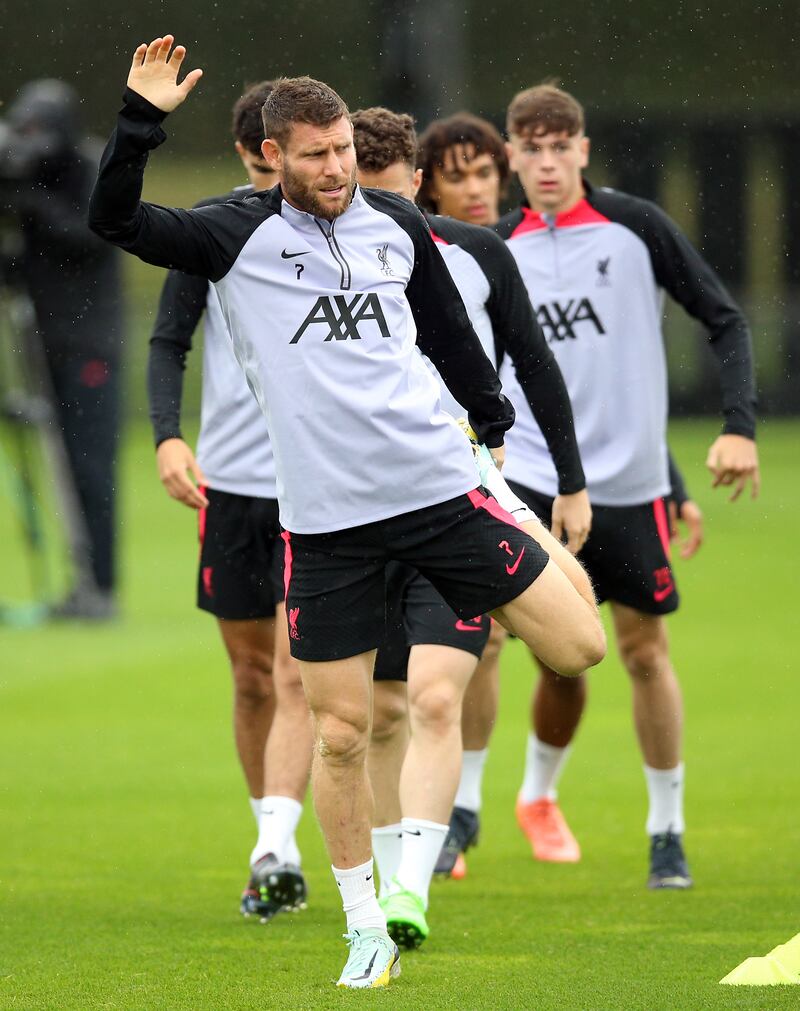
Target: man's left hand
column 733, row 461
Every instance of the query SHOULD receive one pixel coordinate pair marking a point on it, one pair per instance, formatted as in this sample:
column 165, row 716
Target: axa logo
column 342, row 315
column 558, row 320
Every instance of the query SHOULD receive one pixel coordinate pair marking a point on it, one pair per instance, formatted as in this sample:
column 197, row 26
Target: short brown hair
column 464, row 130
column 542, row 109
column 383, row 137
column 247, row 125
column 300, row 100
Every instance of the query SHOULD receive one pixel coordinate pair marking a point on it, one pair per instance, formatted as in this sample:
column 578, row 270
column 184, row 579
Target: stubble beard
column 307, row 199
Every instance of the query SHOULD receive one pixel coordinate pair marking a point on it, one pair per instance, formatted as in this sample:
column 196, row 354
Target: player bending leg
column 369, row 468
column 596, row 263
column 240, row 580
column 427, row 639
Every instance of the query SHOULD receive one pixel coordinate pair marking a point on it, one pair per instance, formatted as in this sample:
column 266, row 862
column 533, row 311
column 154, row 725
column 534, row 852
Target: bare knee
column 389, row 715
column 342, row 738
column 644, row 657
column 252, row 676
column 436, row 708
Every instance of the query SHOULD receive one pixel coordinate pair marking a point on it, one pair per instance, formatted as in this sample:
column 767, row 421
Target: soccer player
column 240, row 579
column 596, row 264
column 428, row 643
column 327, row 290
column 465, row 172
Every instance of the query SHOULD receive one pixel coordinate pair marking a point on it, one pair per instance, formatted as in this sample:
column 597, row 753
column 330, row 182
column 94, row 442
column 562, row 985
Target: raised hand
column 154, row 74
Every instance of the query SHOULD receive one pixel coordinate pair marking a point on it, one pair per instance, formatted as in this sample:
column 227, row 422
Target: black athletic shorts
column 241, row 557
column 418, row 615
column 469, row 547
column 627, row 555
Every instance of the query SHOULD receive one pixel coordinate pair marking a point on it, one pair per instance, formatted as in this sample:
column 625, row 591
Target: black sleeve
column 682, row 271
column 444, row 331
column 518, row 334
column 678, row 494
column 180, row 308
column 203, row 241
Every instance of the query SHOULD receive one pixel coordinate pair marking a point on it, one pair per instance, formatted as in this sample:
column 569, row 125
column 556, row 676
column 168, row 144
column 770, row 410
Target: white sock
column 665, row 790
column 543, row 766
column 276, row 827
column 422, row 843
column 387, row 848
column 469, row 787
column 360, row 904
column 255, row 807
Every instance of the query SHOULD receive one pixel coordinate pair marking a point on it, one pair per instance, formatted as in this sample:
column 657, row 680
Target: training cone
column 780, row 966
column 788, row 955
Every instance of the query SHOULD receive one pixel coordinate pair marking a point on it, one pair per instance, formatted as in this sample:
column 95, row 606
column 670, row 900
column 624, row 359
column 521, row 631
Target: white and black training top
column 596, row 275
column 497, row 302
column 233, row 448
column 324, row 318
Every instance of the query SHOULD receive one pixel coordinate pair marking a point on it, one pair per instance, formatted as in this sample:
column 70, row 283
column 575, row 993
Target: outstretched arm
column 204, row 241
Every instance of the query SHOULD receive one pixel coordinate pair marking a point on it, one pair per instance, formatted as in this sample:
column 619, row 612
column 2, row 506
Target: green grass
column 125, row 829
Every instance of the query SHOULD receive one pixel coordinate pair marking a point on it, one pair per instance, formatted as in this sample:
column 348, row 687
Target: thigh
column 628, row 557
column 335, row 593
column 340, row 689
column 250, row 646
column 441, row 673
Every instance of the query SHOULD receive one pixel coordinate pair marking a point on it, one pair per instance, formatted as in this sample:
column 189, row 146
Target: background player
column 362, row 479
column 596, row 263
column 240, row 578
column 427, row 640
column 465, row 174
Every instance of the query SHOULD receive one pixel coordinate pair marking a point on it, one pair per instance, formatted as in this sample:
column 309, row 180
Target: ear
column 511, row 155
column 416, row 181
column 272, row 154
column 585, row 147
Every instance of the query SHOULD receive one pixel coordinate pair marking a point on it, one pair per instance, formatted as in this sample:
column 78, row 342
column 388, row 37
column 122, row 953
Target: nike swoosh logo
column 369, row 877
column 463, row 627
column 291, row 256
column 660, row 595
column 368, row 970
column 511, row 569
column 412, row 831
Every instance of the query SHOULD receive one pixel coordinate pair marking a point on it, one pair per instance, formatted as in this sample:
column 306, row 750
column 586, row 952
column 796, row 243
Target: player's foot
column 252, row 904
column 373, row 961
column 85, row 604
column 668, row 867
column 463, row 832
column 280, row 883
column 405, row 917
column 547, row 831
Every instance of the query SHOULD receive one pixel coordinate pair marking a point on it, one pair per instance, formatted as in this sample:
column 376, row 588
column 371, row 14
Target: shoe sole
column 404, row 934
column 675, row 884
column 286, row 889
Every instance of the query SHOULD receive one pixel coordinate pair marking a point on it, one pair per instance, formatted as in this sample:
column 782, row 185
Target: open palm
column 154, row 74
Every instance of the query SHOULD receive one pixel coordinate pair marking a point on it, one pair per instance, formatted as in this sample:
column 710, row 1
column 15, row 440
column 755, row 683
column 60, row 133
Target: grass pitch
column 125, row 829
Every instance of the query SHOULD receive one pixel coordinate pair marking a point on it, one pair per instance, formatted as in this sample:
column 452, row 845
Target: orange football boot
column 547, row 831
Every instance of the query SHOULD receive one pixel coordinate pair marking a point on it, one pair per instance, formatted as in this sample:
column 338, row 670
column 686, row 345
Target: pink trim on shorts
column 492, row 506
column 662, row 525
column 286, row 537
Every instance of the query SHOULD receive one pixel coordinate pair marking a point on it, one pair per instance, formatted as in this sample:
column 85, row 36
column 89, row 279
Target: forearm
column 546, row 392
column 732, row 347
column 678, row 493
column 165, row 367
